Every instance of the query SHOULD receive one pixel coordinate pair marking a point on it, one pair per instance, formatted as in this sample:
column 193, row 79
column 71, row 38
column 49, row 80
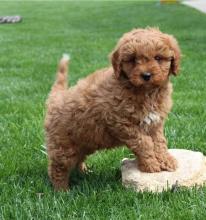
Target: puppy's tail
column 61, row 78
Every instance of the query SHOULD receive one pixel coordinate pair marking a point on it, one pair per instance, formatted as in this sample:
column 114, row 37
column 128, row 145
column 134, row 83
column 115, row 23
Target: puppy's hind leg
column 61, row 162
column 82, row 167
column 58, row 174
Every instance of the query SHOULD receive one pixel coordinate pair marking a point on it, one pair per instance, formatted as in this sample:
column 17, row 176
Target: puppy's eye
column 158, row 58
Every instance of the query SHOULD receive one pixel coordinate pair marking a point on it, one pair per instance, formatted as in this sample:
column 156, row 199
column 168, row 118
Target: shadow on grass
column 96, row 181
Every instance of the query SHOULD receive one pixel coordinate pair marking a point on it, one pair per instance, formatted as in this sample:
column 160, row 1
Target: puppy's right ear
column 115, row 60
column 175, row 63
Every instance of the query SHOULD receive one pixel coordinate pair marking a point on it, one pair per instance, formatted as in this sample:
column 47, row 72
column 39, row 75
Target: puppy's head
column 146, row 57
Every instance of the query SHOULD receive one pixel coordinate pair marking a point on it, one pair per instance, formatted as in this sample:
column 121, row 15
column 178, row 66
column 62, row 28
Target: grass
column 88, row 31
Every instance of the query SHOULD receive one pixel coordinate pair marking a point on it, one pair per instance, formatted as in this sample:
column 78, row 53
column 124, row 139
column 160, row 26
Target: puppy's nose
column 146, row 76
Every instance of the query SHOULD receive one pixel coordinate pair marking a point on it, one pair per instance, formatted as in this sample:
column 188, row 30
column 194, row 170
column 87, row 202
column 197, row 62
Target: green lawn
column 29, row 52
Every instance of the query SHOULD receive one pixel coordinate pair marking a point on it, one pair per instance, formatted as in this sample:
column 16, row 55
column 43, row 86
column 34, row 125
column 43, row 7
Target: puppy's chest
column 150, row 119
column 146, row 113
column 146, row 117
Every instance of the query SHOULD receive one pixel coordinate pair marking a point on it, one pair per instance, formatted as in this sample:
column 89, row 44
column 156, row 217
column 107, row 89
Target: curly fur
column 114, row 106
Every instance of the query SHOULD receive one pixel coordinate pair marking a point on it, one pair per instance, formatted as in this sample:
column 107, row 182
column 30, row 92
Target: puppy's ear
column 175, row 63
column 116, row 63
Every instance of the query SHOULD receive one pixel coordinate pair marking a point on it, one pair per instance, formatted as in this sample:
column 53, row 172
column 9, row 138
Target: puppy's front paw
column 149, row 167
column 167, row 162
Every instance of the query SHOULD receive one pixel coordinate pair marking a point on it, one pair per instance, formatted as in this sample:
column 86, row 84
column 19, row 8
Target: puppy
column 125, row 104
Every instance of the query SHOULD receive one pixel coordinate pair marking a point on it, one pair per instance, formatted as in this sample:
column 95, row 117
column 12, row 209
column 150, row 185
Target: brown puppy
column 121, row 105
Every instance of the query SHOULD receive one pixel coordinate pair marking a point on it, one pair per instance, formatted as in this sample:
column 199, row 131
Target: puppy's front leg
column 167, row 161
column 143, row 148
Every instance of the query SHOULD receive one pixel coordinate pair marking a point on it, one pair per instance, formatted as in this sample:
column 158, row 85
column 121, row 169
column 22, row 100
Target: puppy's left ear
column 175, row 63
column 115, row 60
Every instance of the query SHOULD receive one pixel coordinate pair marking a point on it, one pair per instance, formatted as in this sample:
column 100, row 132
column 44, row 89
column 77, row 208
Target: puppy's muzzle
column 146, row 76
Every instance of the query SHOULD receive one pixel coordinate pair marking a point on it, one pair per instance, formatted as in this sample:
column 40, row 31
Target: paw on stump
column 191, row 172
